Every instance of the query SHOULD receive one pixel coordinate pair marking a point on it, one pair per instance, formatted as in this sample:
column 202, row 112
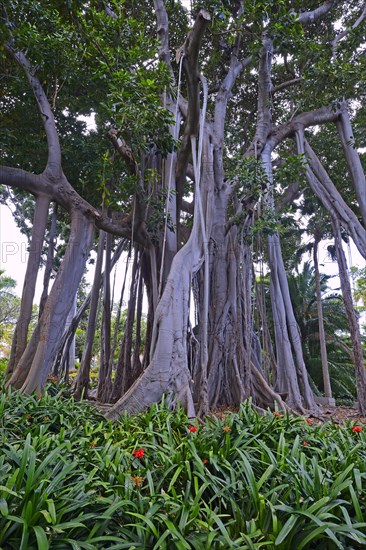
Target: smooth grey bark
column 330, row 197
column 68, row 358
column 168, row 370
column 35, row 251
column 69, row 333
column 105, row 368
column 49, row 261
column 322, row 339
column 292, row 377
column 46, row 337
column 353, row 159
column 82, row 380
column 351, row 316
column 123, row 376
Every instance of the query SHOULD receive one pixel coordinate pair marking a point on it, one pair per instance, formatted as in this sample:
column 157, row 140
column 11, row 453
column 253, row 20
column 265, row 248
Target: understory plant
column 158, row 480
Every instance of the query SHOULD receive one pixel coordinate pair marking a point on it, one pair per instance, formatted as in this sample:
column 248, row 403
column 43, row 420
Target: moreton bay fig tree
column 209, row 122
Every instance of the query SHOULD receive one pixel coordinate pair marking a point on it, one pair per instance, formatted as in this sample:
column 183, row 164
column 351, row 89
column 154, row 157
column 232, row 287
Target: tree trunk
column 123, row 377
column 49, row 261
column 105, row 369
column 82, row 379
column 323, row 347
column 35, row 251
column 351, row 316
column 31, row 372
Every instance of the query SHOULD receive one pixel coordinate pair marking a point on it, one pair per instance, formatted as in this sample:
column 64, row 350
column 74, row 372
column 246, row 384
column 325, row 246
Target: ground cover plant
column 71, row 479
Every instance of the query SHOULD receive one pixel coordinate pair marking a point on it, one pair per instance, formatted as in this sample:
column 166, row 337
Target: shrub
column 71, row 479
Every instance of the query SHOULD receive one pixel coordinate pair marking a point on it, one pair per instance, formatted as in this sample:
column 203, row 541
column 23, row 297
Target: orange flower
column 308, row 420
column 357, row 429
column 226, row 429
column 137, row 480
column 192, row 429
column 277, row 414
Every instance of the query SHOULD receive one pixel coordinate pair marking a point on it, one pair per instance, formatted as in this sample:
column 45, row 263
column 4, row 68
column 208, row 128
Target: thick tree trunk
column 31, row 372
column 35, row 251
column 352, row 318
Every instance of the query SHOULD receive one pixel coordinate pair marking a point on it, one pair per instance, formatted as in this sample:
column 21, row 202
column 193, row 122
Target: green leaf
column 41, row 536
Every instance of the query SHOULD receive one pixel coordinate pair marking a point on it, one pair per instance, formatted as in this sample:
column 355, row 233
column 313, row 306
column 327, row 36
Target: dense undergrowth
column 71, row 479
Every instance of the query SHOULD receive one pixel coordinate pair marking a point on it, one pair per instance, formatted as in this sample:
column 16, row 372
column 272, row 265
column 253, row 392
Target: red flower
column 308, row 420
column 192, row 429
column 357, row 429
column 305, row 443
column 204, row 460
column 39, row 394
column 138, row 453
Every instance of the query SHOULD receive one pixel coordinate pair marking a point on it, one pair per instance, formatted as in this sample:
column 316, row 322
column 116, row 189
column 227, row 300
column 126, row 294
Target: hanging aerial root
column 268, row 395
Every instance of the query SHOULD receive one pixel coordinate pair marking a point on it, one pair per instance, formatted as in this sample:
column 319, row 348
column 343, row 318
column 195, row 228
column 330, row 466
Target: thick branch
column 190, row 51
column 353, row 160
column 163, row 33
column 224, row 92
column 301, row 121
column 15, row 177
column 64, row 195
column 291, row 193
column 287, row 84
column 263, row 125
column 307, row 17
column 330, row 197
column 54, row 149
column 123, row 149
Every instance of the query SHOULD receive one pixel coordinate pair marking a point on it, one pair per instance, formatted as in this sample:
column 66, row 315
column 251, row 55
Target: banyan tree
column 210, row 120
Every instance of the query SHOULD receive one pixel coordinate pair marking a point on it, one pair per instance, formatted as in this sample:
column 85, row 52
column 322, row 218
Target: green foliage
column 70, row 479
column 9, row 311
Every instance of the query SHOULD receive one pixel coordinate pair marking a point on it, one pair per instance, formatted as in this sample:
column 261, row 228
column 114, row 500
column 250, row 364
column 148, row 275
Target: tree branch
column 325, row 190
column 190, row 51
column 263, row 125
column 329, row 113
column 54, row 150
column 307, row 17
column 163, row 33
column 20, row 179
column 355, row 168
column 344, row 33
column 123, row 149
column 287, row 84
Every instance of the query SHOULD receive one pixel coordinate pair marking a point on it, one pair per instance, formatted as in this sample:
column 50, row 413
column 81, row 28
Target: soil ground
column 337, row 414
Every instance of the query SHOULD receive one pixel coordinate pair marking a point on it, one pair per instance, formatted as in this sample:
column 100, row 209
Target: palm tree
column 303, row 290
